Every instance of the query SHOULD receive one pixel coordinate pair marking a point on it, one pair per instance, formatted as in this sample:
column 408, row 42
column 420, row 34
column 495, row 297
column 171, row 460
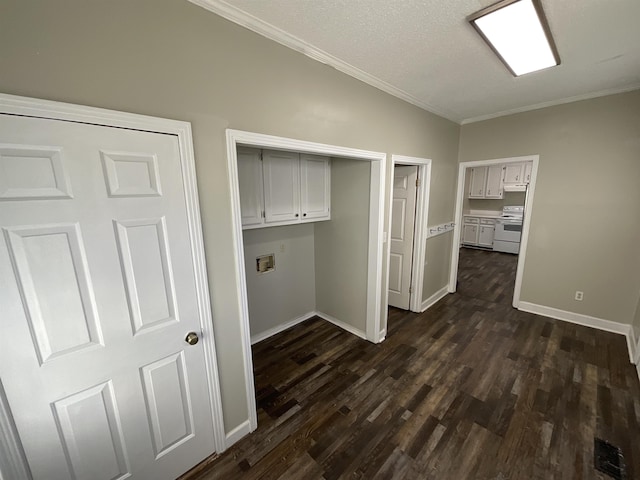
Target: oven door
column 508, row 230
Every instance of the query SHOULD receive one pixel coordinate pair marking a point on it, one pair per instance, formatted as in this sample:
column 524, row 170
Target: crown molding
column 552, row 103
column 276, row 34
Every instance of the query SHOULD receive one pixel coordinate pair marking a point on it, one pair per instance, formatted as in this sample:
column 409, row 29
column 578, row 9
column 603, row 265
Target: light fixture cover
column 518, row 32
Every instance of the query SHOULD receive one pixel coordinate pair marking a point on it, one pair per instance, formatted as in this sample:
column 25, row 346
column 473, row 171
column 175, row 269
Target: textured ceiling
column 425, row 51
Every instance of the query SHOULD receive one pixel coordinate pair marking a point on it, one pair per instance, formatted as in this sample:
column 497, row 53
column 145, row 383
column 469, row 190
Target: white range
column 509, row 229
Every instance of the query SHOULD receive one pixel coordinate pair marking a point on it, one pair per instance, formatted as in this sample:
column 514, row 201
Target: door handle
column 191, row 338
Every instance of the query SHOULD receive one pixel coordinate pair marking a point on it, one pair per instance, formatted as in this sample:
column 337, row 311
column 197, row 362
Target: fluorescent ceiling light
column 518, row 32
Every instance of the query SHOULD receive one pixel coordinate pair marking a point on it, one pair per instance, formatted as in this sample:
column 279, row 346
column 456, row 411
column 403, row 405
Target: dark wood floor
column 470, row 389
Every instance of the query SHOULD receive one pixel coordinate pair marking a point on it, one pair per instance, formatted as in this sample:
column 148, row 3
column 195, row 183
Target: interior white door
column 403, row 212
column 98, row 295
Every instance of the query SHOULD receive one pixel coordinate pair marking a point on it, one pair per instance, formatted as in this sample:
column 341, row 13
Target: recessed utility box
column 266, row 263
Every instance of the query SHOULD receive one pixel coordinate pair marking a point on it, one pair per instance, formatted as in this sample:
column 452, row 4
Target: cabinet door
column 250, row 183
column 470, row 234
column 527, row 171
column 281, row 172
column 513, row 173
column 494, row 182
column 485, row 237
column 477, row 182
column 315, row 187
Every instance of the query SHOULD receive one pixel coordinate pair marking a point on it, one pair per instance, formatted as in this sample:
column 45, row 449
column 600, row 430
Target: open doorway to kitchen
column 493, row 211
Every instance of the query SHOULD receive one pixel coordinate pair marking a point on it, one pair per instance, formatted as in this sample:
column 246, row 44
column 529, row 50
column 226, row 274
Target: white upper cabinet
column 477, row 182
column 493, row 187
column 527, row 171
column 281, row 172
column 283, row 188
column 514, row 173
column 250, row 182
column 315, row 186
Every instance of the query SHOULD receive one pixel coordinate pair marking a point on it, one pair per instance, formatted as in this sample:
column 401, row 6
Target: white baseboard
column 237, row 433
column 343, row 325
column 258, row 337
column 585, row 320
column 433, row 299
column 383, row 335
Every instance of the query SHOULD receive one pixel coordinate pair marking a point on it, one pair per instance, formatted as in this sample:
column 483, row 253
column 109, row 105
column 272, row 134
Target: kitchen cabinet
column 477, row 181
column 478, row 232
column 513, row 173
column 282, row 188
column 470, row 230
column 486, row 232
column 527, row 171
column 493, row 188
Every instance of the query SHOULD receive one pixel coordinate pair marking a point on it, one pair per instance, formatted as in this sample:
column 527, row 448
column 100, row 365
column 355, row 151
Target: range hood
column 515, row 187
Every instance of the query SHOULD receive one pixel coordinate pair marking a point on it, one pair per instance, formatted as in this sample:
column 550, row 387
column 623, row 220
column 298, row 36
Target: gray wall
column 585, row 226
column 289, row 291
column 172, row 59
column 341, row 245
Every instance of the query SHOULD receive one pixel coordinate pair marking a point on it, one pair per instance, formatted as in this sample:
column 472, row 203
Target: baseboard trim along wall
column 342, row 325
column 258, row 337
column 237, row 433
column 585, row 320
column 433, row 299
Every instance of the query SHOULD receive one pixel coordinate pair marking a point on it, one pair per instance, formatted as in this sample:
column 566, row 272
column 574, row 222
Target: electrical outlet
column 579, row 295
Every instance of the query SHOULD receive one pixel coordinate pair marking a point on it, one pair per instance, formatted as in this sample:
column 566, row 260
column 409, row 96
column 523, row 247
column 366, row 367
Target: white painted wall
column 289, row 291
column 341, row 245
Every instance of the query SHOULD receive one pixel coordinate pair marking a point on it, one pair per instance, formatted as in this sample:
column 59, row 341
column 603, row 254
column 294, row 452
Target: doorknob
column 191, row 338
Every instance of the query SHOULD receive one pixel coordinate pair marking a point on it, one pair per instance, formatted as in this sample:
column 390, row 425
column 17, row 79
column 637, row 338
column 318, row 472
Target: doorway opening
column 373, row 315
column 408, row 215
column 493, row 212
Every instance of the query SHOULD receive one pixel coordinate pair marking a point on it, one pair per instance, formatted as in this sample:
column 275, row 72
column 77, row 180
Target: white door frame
column 378, row 161
column 419, row 229
column 24, row 106
column 528, row 208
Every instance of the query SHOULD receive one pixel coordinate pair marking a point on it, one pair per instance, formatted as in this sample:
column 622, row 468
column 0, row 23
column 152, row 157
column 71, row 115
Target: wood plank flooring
column 470, row 389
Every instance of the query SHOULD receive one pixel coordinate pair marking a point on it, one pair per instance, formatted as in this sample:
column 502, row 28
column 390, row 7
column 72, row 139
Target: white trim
column 10, row 104
column 636, row 358
column 420, row 227
column 383, row 334
column 238, row 433
column 552, row 103
column 345, row 326
column 376, row 215
column 435, row 298
column 528, row 208
column 271, row 32
column 280, row 328
column 580, row 319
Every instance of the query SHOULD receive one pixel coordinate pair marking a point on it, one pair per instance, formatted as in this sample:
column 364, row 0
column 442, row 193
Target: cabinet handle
column 517, row 177
column 297, row 215
column 304, row 214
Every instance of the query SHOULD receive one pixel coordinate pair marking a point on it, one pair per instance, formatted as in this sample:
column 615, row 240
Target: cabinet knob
column 517, row 177
column 304, row 214
column 297, row 215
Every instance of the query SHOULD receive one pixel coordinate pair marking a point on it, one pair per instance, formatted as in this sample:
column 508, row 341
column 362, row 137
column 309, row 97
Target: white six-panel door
column 98, row 294
column 403, row 211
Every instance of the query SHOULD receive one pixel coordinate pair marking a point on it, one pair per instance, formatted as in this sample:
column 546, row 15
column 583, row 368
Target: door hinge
column 417, row 182
column 410, row 289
